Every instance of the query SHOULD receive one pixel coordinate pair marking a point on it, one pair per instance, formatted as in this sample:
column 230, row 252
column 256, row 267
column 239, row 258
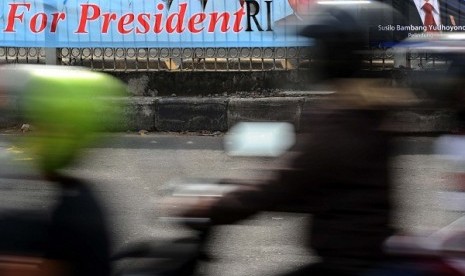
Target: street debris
column 25, row 128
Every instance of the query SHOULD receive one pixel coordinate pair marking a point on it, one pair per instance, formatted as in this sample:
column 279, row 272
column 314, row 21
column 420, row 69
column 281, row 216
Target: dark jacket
column 341, row 177
column 63, row 223
column 78, row 233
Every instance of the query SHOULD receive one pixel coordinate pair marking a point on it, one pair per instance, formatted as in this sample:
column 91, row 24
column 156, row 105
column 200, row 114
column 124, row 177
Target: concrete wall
column 215, row 101
column 192, row 84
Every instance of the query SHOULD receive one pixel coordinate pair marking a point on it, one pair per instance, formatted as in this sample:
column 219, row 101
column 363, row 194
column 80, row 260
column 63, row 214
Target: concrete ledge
column 266, row 109
column 191, row 114
column 9, row 119
column 219, row 114
column 139, row 113
column 10, row 116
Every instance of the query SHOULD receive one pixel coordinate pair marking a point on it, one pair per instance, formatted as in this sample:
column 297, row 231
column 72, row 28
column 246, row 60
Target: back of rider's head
column 66, row 108
column 340, row 41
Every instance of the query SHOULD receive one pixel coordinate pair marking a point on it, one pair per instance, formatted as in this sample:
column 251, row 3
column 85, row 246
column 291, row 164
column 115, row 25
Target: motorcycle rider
column 341, row 174
column 66, row 108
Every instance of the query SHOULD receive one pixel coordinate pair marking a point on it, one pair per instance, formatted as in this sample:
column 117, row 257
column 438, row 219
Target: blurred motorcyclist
column 66, row 107
column 341, row 173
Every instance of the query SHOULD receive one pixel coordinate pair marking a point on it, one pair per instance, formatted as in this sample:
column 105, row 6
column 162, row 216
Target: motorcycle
column 411, row 255
column 181, row 256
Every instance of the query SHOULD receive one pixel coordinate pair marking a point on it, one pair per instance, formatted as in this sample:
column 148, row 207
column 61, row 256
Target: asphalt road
column 131, row 173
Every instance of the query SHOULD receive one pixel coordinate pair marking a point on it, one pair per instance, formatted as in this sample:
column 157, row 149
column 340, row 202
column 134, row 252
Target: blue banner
column 146, row 24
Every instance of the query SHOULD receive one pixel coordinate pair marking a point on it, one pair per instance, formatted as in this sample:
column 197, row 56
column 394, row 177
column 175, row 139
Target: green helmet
column 67, row 108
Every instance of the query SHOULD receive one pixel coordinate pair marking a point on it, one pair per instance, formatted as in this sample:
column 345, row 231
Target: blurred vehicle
column 441, row 88
column 339, row 174
column 59, row 230
column 183, row 256
column 363, row 211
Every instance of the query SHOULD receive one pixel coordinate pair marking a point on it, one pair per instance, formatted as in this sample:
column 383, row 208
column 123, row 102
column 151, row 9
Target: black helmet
column 342, row 31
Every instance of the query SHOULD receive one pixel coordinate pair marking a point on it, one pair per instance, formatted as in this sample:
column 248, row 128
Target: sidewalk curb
column 220, row 114
column 286, row 109
column 205, row 114
column 191, row 114
column 183, row 114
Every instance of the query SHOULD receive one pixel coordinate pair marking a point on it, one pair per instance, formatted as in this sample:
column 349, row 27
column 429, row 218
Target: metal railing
column 426, row 61
column 166, row 59
column 22, row 55
column 204, row 59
